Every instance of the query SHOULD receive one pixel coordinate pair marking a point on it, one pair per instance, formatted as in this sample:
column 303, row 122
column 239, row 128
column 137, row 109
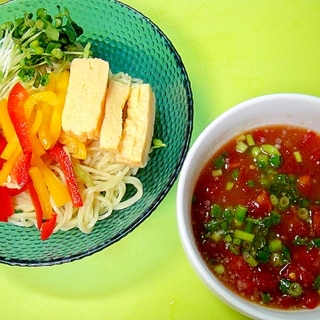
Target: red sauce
column 270, row 251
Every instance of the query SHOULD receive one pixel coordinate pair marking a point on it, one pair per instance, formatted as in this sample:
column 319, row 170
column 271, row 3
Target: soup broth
column 256, row 216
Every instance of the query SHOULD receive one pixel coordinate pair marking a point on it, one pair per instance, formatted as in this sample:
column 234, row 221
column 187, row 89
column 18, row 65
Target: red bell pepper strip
column 20, row 171
column 36, row 203
column 6, row 207
column 3, row 143
column 48, row 227
column 58, row 154
column 16, row 100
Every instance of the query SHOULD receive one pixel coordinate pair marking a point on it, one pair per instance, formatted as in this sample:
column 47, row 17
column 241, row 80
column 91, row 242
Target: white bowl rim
column 254, row 311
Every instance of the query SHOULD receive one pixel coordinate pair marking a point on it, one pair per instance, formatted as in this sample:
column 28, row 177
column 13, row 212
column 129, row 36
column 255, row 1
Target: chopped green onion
column 255, row 151
column 212, row 225
column 303, row 214
column 241, row 147
column 240, row 213
column 220, row 161
column 228, row 215
column 250, row 259
column 316, row 283
column 215, row 236
column 219, row 268
column 299, row 241
column 266, row 297
column 316, row 242
column 270, row 150
column 157, row 143
column 217, row 173
column 297, row 156
column 236, row 241
column 229, row 185
column 243, row 235
column 274, row 200
column 263, row 256
column 216, row 211
column 250, row 140
column 235, row 174
column 259, row 242
column 293, row 289
column 251, row 183
column 262, row 161
column 283, row 203
column 235, row 249
column 228, row 238
column 285, row 255
column 275, row 245
column 275, row 161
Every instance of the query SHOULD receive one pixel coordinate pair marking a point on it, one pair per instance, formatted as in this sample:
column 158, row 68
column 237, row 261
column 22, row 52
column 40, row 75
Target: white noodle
column 100, row 199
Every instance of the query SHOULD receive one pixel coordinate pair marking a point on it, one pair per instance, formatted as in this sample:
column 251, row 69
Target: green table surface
column 233, row 50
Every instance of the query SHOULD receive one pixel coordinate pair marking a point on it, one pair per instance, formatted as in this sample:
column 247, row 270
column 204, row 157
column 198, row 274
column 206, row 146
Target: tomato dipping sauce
column 256, row 216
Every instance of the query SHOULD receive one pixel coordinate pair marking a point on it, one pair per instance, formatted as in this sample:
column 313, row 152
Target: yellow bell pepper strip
column 42, row 192
column 56, row 187
column 50, row 126
column 5, row 121
column 10, row 148
column 58, row 83
column 75, row 147
column 8, row 165
column 58, row 154
column 13, row 191
column 37, row 147
column 36, row 203
column 8, row 131
column 48, row 227
column 6, row 208
column 17, row 98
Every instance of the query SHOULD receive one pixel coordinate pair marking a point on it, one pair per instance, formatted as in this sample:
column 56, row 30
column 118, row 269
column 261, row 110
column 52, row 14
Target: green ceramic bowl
column 133, row 44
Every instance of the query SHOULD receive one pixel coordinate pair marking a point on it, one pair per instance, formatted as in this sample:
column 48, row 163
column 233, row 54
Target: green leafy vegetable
column 32, row 46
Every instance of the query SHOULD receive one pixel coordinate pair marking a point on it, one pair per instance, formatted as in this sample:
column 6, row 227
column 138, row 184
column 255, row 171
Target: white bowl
column 292, row 109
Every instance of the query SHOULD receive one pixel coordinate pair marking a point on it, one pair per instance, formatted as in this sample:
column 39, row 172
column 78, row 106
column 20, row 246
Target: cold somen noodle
column 103, row 186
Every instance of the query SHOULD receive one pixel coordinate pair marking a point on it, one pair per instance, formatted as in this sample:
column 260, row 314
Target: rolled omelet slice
column 85, row 99
column 138, row 127
column 111, row 130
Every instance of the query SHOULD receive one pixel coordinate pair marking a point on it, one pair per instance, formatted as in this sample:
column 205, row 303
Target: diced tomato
column 265, row 280
column 304, row 185
column 308, row 259
column 297, row 273
column 309, row 139
column 315, row 156
column 315, row 222
column 261, row 206
column 287, row 302
column 259, row 136
column 311, row 299
column 290, row 164
column 291, row 226
column 243, row 273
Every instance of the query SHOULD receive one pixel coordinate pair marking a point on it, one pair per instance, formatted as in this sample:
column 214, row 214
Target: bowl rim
column 185, row 229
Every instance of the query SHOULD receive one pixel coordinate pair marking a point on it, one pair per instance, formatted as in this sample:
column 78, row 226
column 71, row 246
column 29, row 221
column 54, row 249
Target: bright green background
column 232, row 50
